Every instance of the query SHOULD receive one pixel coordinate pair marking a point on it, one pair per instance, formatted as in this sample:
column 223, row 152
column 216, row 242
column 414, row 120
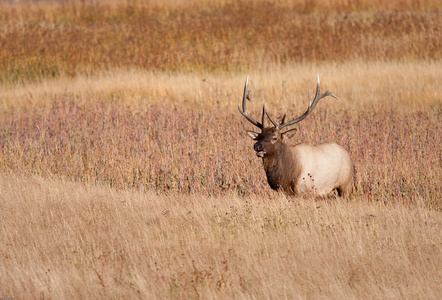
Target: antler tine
column 243, row 111
column 268, row 116
column 330, row 94
column 283, row 118
column 263, row 114
column 318, row 96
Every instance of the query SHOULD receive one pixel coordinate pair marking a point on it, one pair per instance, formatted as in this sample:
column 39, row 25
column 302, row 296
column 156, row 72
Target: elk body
column 300, row 169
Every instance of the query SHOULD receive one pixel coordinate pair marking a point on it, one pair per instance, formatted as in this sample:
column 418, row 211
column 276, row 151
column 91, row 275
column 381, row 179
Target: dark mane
column 282, row 170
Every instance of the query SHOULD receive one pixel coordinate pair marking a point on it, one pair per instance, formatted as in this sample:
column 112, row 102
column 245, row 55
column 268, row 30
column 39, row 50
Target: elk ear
column 252, row 134
column 289, row 134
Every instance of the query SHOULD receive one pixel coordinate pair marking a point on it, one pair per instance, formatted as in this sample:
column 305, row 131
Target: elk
column 300, row 169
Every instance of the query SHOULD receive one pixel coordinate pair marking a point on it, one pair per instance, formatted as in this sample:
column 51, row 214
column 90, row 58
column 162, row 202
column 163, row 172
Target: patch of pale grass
column 65, row 240
column 407, row 86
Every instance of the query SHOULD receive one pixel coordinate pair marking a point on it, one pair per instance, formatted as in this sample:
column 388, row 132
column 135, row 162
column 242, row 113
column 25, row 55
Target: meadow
column 125, row 170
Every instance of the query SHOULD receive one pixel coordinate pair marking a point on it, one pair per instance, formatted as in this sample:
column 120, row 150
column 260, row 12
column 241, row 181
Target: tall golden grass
column 125, row 170
column 66, row 240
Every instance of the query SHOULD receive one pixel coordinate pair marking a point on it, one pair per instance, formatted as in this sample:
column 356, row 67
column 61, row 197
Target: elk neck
column 282, row 169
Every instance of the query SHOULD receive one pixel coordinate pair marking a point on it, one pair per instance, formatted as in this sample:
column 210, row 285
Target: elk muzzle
column 259, row 149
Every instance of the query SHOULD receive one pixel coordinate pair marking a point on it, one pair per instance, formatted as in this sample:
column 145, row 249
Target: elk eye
column 274, row 138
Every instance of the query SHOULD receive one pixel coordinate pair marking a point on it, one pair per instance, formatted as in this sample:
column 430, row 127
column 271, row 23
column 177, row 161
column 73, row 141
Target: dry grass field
column 125, row 171
column 69, row 240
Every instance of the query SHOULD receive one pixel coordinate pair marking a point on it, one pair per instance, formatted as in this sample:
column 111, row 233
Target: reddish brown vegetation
column 49, row 40
column 170, row 150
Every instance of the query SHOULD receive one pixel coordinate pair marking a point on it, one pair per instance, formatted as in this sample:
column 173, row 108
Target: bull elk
column 303, row 168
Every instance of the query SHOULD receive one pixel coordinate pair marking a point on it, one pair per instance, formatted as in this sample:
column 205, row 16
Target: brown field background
column 125, row 171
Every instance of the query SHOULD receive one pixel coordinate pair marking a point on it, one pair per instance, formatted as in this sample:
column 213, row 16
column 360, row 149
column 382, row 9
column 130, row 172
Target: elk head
column 269, row 140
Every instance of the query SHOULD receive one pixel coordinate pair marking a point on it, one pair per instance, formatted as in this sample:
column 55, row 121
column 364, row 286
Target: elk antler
column 244, row 112
column 310, row 108
column 246, row 96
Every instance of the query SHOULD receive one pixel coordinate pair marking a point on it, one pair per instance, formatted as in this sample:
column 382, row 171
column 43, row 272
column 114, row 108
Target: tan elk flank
column 300, row 169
